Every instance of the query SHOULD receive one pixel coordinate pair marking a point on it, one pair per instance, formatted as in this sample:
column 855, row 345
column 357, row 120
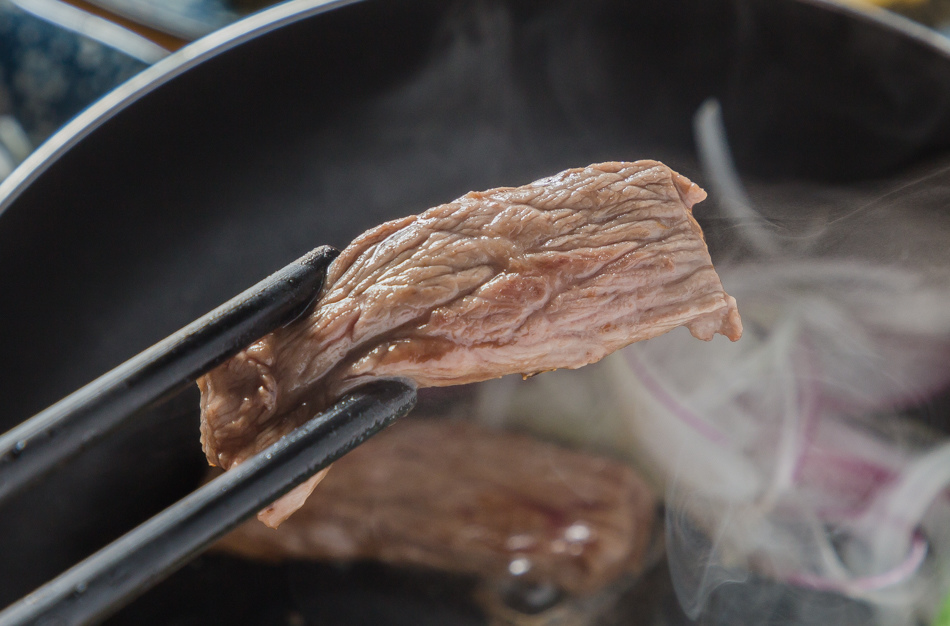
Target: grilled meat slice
column 555, row 274
column 454, row 496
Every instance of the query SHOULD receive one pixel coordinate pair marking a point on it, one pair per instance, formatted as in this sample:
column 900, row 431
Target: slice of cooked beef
column 554, row 274
column 454, row 496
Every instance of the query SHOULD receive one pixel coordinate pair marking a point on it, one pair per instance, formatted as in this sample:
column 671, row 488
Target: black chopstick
column 55, row 435
column 103, row 583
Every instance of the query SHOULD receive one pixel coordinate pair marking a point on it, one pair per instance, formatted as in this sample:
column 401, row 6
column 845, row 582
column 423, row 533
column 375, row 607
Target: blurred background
column 59, row 56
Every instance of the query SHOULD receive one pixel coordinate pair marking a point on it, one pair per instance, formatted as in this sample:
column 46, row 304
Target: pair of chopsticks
column 112, row 577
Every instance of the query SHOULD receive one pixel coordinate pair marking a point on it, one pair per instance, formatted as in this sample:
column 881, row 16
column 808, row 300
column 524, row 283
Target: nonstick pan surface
column 308, row 124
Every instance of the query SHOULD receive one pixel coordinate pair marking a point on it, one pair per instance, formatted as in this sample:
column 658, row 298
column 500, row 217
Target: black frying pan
column 307, row 124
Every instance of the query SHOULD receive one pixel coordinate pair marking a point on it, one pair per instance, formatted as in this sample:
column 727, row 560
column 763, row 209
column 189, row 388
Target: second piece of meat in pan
column 450, row 495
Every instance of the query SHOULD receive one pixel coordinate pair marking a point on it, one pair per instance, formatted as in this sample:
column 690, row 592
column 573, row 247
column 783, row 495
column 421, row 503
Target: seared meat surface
column 555, row 274
column 450, row 495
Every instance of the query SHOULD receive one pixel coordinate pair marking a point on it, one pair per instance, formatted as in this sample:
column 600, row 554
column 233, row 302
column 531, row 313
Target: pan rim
column 263, row 22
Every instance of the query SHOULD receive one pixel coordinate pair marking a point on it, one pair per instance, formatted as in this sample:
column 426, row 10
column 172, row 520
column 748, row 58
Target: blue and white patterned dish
column 47, row 75
column 56, row 59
